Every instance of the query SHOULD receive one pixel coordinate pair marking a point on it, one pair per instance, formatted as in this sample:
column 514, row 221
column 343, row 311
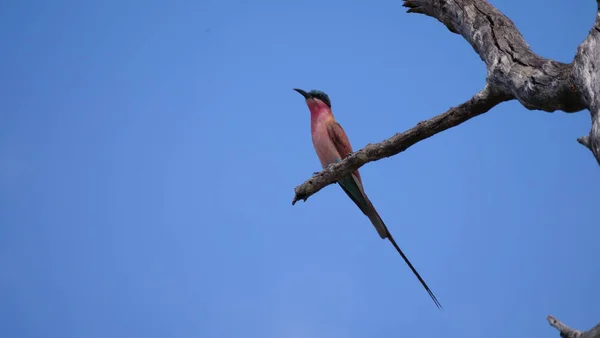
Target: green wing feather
column 353, row 188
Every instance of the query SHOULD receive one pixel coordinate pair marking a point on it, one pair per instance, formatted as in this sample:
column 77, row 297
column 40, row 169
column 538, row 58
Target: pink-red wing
column 341, row 142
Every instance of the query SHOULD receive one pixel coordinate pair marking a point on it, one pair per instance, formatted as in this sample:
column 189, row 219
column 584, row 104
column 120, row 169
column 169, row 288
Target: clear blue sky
column 149, row 151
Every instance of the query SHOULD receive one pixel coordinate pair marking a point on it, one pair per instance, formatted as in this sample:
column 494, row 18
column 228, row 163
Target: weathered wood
column 514, row 71
column 567, row 332
column 586, row 74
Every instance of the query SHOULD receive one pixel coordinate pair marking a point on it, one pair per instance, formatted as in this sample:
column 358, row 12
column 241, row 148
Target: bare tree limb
column 567, row 332
column 586, row 74
column 514, row 71
column 537, row 83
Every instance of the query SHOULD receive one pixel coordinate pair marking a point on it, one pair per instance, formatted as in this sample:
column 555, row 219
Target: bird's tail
column 353, row 188
column 385, row 233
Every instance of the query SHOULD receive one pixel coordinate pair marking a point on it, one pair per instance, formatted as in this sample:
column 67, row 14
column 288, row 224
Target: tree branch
column 586, row 74
column 567, row 332
column 536, row 82
column 514, row 71
column 482, row 102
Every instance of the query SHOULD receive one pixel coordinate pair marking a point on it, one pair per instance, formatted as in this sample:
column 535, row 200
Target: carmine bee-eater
column 332, row 145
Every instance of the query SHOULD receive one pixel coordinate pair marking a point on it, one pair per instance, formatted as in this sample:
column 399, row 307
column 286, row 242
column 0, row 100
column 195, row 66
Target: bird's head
column 316, row 100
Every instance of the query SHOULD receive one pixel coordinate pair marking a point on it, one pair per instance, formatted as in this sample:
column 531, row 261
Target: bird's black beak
column 303, row 93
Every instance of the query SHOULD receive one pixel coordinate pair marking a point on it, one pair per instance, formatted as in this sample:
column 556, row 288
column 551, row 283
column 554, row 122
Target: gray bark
column 514, row 71
column 567, row 332
column 586, row 76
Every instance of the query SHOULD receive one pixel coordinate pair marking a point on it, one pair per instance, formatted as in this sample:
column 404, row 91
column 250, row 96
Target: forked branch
column 514, row 71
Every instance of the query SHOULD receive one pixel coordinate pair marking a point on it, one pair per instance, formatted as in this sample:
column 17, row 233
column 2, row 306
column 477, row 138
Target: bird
column 332, row 145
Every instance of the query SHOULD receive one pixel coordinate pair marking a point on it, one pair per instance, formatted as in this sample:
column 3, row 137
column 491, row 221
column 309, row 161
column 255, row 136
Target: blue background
column 149, row 151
